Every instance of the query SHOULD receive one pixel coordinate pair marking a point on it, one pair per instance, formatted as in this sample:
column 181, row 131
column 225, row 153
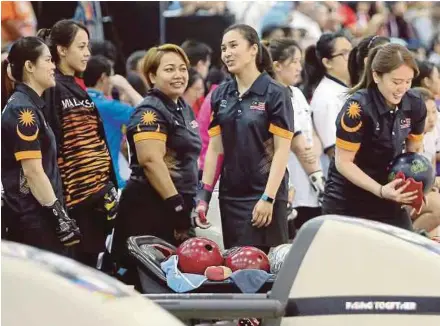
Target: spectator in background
column 134, row 66
column 99, row 80
column 215, row 77
column 194, row 90
column 359, row 54
column 302, row 18
column 134, row 62
column 429, row 217
column 326, row 66
column 397, row 26
column 428, row 77
column 434, row 56
column 18, row 20
column 272, row 32
column 106, row 49
column 199, row 55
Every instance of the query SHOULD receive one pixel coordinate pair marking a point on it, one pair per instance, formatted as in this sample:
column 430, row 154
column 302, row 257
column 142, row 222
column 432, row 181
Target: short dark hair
column 96, row 66
column 196, row 51
column 105, row 48
column 133, row 59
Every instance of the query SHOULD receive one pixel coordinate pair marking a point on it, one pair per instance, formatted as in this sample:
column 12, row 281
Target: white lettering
column 381, row 305
column 73, row 102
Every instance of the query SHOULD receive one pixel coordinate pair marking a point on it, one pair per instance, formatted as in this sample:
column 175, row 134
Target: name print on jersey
column 73, row 102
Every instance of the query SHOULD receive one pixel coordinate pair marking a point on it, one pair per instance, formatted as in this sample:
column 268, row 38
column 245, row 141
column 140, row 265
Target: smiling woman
column 33, row 209
column 83, row 156
column 381, row 119
column 164, row 140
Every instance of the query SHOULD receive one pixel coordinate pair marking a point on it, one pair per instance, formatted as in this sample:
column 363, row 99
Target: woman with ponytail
column 304, row 165
column 251, row 131
column 33, row 198
column 382, row 118
column 83, row 156
column 326, row 66
column 358, row 56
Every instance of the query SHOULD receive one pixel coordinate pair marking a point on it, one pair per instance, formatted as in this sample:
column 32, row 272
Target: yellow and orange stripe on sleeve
column 280, row 132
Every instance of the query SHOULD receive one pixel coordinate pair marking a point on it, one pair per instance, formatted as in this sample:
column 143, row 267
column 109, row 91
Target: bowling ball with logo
column 246, row 258
column 413, row 165
column 197, row 254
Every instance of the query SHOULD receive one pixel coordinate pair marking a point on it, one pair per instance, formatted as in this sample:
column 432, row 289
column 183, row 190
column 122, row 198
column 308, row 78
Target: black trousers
column 34, row 229
column 91, row 217
column 142, row 212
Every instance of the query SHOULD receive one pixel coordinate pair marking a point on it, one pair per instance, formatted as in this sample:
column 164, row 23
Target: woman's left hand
column 262, row 214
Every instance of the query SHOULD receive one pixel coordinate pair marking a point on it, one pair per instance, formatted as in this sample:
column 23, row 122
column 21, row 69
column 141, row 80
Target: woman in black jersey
column 382, row 118
column 33, row 198
column 83, row 155
column 251, row 131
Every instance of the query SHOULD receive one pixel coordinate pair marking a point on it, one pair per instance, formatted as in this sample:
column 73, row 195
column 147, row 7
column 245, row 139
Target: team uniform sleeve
column 25, row 129
column 418, row 122
column 350, row 126
column 148, row 123
column 281, row 119
column 214, row 128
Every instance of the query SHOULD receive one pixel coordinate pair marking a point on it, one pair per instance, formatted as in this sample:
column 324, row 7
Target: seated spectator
column 429, row 218
column 397, row 26
column 18, row 20
column 434, row 56
column 134, row 65
column 199, row 55
column 105, row 48
column 272, row 32
column 99, row 80
column 428, row 77
column 194, row 91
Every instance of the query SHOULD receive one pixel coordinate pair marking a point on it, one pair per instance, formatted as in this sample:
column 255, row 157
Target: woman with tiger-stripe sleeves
column 83, row 156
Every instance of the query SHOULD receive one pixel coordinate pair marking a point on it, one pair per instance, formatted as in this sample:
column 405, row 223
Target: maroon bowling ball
column 246, row 258
column 197, row 254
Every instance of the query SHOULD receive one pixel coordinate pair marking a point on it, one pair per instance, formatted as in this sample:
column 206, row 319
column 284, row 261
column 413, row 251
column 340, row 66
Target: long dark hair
column 357, row 55
column 313, row 66
column 24, row 49
column 281, row 49
column 263, row 59
column 383, row 60
column 62, row 33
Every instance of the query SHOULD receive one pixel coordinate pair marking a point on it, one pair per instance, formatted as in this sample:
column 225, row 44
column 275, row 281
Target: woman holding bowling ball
column 381, row 119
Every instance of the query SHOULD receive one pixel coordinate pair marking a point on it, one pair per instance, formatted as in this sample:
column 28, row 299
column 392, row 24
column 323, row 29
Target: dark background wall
column 136, row 25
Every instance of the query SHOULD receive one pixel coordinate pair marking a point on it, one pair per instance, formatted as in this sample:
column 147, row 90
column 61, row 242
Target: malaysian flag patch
column 405, row 123
column 260, row 106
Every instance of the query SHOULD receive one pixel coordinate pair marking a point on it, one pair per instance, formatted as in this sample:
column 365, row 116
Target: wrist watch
column 267, row 198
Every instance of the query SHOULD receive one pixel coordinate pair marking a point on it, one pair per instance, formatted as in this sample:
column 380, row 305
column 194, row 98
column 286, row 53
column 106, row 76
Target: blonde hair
column 152, row 58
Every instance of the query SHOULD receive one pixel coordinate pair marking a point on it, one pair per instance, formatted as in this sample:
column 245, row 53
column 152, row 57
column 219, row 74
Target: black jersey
column 247, row 125
column 26, row 135
column 158, row 117
column 377, row 134
column 83, row 155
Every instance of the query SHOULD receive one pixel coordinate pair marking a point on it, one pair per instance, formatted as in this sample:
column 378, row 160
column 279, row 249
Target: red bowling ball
column 247, row 258
column 197, row 254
